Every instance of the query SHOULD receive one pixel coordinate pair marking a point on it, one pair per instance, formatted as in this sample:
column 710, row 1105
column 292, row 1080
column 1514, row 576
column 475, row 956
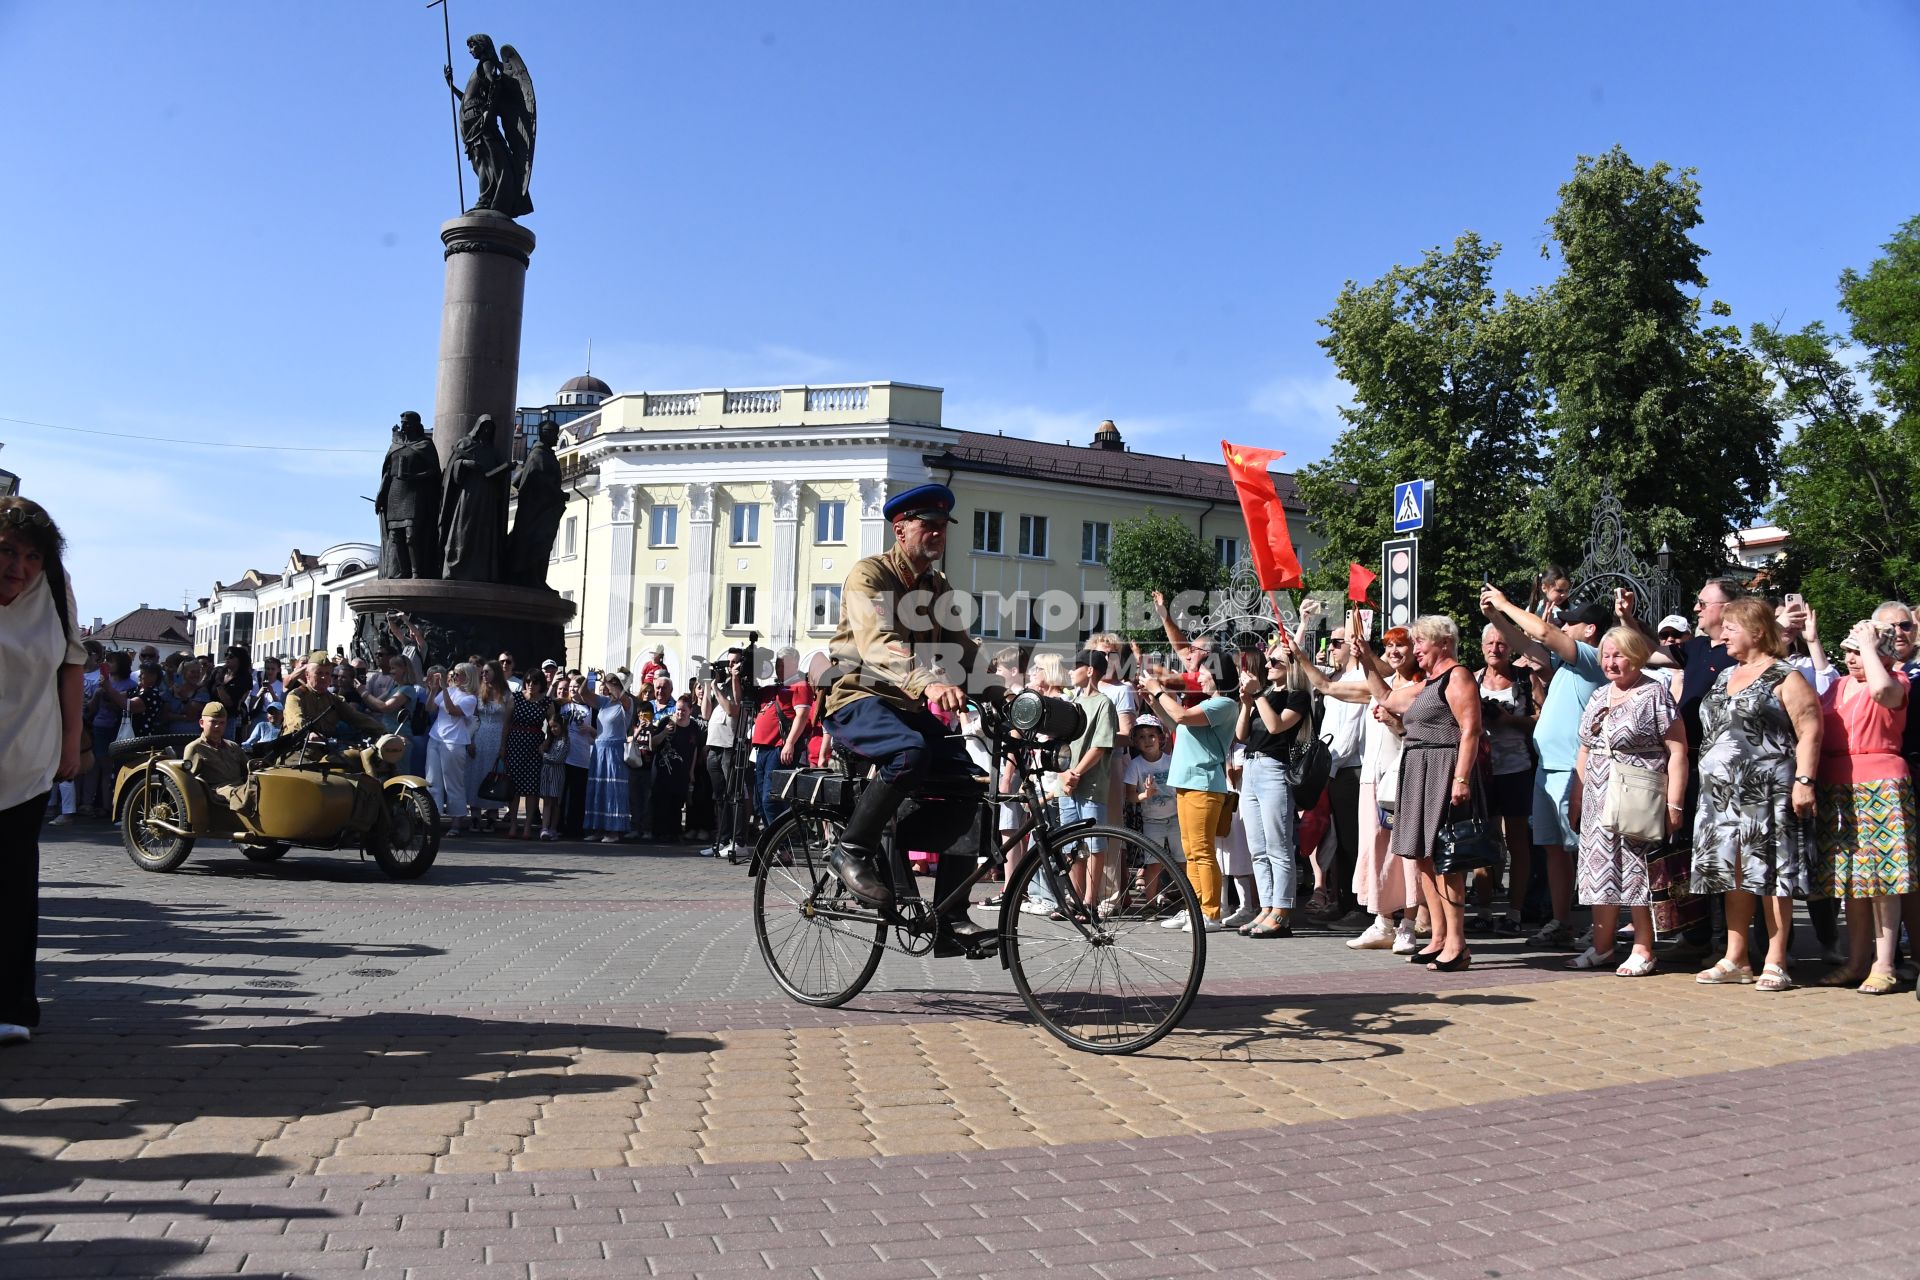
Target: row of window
column 829, row 524
column 743, row 606
column 991, row 612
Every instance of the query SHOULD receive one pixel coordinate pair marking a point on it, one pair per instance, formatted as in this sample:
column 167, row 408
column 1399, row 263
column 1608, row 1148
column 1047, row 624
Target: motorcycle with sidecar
column 297, row 793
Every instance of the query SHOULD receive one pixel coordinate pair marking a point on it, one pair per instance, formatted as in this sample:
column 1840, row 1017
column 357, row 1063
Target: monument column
column 487, row 255
column 700, row 603
column 786, row 567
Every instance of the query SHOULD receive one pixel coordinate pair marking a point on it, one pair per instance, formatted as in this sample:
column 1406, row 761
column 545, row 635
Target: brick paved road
column 568, row 1060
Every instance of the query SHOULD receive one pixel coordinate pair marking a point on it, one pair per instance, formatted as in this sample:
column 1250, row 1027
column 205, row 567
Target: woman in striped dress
column 489, row 740
column 607, row 815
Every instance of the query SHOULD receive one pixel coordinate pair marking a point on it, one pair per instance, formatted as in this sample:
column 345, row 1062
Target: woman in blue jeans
column 1273, row 710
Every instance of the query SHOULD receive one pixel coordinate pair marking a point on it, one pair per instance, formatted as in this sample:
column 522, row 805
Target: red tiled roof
column 1108, row 468
column 167, row 626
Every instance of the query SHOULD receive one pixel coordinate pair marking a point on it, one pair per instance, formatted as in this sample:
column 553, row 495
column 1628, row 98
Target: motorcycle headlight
column 392, row 748
column 1042, row 717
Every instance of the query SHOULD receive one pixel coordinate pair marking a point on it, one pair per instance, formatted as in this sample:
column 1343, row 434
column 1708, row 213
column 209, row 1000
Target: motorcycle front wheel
column 159, row 799
column 412, row 839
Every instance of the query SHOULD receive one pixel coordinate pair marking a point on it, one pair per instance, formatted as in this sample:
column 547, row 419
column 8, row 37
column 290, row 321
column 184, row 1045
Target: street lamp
column 1666, row 556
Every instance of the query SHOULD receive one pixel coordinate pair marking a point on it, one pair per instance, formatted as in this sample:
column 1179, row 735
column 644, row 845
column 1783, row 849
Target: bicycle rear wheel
column 1117, row 983
column 821, row 944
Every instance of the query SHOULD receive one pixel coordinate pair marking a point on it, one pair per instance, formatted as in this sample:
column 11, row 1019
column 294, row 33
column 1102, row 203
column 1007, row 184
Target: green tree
column 1442, row 391
column 1673, row 413
column 1151, row 553
column 1850, row 483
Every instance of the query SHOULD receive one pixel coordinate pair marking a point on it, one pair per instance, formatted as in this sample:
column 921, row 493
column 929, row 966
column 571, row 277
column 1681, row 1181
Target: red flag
column 1272, row 548
column 1359, row 578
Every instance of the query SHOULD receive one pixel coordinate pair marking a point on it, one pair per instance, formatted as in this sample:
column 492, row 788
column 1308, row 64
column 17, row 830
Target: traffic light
column 1400, row 574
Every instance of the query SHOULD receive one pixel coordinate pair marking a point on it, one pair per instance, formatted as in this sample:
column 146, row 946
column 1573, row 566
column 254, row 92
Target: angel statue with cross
column 497, row 126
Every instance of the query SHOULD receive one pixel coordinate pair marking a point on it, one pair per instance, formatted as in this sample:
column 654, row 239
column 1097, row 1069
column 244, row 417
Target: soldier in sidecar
column 176, row 789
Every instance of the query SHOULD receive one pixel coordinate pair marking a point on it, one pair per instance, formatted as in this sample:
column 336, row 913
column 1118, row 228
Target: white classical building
column 286, row 614
column 700, row 517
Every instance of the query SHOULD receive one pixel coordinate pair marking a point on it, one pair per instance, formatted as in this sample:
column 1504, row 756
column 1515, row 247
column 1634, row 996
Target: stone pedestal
column 462, row 618
column 487, row 256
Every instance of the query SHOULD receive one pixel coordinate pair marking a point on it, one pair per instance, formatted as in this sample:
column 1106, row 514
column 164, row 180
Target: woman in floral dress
column 1631, row 718
column 1752, row 832
column 1867, row 818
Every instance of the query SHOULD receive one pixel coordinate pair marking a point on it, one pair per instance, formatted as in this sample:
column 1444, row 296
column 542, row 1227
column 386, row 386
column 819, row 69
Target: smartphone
column 1795, row 600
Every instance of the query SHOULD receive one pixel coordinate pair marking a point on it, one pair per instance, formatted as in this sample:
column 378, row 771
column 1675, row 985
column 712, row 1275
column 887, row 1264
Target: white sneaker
column 1378, row 937
column 14, row 1033
column 1178, row 920
column 58, row 820
column 1405, row 941
column 1032, row 908
column 1212, row 924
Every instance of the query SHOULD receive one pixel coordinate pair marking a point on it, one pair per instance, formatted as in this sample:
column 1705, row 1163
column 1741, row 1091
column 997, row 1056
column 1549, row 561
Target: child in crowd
column 553, row 777
column 1146, row 785
column 267, row 730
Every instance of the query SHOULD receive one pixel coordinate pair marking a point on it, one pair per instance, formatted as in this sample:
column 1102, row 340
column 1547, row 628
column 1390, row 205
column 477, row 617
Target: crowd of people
column 1693, row 775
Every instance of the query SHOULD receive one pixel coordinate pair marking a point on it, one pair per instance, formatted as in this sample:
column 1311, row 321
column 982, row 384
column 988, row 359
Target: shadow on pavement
column 136, row 1043
column 1298, row 1027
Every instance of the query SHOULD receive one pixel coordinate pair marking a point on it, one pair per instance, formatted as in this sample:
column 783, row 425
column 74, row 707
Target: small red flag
column 1359, row 578
column 1267, row 537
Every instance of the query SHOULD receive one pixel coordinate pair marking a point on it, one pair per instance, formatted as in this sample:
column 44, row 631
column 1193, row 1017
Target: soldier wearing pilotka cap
column 902, row 651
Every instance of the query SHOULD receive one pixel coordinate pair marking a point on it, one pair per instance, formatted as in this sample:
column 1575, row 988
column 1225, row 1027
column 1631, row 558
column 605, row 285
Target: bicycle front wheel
column 821, row 944
column 1113, row 981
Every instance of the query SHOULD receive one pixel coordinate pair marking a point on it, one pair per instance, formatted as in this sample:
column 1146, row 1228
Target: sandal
column 1773, row 978
column 1724, row 973
column 1878, row 984
column 1840, row 978
column 1636, row 967
column 1591, row 959
column 995, row 900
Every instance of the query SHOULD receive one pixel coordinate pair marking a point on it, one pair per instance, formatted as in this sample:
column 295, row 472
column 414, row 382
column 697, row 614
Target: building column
column 873, row 520
column 619, row 595
column 786, row 567
column 699, row 604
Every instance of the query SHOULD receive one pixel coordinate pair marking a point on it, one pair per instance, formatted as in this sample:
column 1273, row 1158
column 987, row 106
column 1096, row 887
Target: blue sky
column 224, row 217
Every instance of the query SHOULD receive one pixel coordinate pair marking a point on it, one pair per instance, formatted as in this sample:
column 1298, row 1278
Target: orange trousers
column 1199, row 813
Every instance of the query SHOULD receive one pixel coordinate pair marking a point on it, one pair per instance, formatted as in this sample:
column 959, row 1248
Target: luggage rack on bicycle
column 1105, row 972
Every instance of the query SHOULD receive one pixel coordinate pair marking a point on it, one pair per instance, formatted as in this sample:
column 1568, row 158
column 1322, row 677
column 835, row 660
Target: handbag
column 1465, row 844
column 1224, row 827
column 639, row 753
column 1676, row 907
column 1636, row 804
column 494, row 787
column 1309, row 766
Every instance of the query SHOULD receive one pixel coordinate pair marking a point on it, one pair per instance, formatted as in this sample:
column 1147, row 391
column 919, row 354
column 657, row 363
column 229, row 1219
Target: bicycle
column 1105, row 977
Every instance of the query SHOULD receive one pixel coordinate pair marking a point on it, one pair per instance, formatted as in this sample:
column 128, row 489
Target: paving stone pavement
column 568, row 1060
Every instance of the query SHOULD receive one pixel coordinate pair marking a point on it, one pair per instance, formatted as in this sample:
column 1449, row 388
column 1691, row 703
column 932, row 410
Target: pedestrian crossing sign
column 1409, row 505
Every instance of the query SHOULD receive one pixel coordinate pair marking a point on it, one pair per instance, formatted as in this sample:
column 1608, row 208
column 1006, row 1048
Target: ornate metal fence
column 1611, row 563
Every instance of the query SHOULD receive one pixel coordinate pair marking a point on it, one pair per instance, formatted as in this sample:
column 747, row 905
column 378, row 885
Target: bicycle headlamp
column 1053, row 719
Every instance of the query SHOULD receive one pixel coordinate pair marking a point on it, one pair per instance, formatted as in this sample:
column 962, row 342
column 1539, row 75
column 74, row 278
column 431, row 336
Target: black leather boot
column 957, row 928
column 856, row 856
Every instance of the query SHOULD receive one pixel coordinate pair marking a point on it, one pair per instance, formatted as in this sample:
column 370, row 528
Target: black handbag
column 1466, row 844
column 494, row 787
column 1308, row 768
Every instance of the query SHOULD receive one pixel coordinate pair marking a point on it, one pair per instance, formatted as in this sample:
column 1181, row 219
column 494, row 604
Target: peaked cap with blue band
column 923, row 500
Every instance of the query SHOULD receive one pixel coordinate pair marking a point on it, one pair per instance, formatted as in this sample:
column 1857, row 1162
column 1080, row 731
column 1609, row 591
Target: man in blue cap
column 902, row 651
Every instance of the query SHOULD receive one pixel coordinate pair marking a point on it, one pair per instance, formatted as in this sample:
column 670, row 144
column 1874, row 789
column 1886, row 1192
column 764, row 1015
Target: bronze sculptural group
column 454, row 525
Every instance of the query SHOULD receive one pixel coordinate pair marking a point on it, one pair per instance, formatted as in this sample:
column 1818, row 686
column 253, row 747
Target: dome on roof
column 587, row 382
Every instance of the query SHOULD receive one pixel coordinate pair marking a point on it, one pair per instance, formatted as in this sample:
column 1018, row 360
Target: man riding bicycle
column 902, row 652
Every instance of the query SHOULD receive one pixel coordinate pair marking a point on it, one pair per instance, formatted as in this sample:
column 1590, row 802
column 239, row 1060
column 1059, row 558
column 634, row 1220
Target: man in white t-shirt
column 450, row 747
